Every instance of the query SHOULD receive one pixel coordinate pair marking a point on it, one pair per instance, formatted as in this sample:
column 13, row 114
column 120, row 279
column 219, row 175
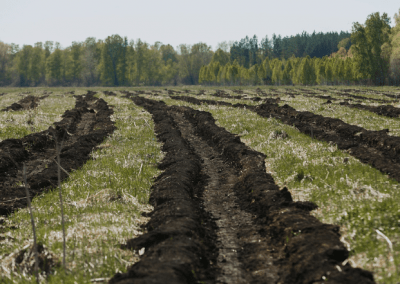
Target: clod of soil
column 109, row 93
column 80, row 130
column 29, row 102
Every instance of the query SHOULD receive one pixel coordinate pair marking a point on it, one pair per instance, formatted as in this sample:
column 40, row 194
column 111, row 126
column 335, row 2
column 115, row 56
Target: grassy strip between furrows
column 17, row 124
column 103, row 201
column 350, row 194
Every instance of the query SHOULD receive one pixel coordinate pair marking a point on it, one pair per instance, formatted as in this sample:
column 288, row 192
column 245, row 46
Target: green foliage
column 54, row 66
column 113, row 64
column 371, row 54
column 368, row 40
column 345, row 43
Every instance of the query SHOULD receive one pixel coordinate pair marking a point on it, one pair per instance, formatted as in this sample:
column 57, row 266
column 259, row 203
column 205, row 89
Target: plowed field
column 206, row 186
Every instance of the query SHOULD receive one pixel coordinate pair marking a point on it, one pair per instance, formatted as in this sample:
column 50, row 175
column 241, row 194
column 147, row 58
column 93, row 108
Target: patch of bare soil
column 29, row 102
column 81, row 129
column 375, row 148
column 110, row 93
column 223, row 94
column 220, row 218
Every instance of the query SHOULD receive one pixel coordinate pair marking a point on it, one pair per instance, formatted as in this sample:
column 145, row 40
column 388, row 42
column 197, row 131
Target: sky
column 178, row 21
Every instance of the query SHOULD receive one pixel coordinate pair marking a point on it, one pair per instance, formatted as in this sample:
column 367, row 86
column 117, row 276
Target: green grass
column 17, row 124
column 103, row 201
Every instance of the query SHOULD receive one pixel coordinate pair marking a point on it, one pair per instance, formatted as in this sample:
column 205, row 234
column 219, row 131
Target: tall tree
column 54, row 66
column 90, row 60
column 76, row 51
column 191, row 59
column 394, row 67
column 113, row 61
column 141, row 49
column 5, row 63
column 368, row 40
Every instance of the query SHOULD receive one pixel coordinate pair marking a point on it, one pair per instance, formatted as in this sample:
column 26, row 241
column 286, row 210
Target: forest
column 370, row 55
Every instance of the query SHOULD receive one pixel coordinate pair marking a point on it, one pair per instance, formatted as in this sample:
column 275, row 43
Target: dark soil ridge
column 110, row 93
column 390, row 95
column 375, row 148
column 127, row 94
column 363, row 98
column 384, row 110
column 322, row 97
column 81, row 129
column 178, row 248
column 29, row 102
column 237, row 234
column 307, row 248
column 344, row 93
column 222, row 94
column 340, row 93
column 293, row 246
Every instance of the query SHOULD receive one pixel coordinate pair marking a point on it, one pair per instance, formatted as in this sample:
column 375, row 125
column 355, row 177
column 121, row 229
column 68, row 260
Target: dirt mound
column 127, row 94
column 322, row 97
column 171, row 92
column 29, row 102
column 240, row 92
column 109, row 93
column 384, row 110
column 80, row 130
column 223, row 94
column 363, row 98
column 307, row 91
column 216, row 190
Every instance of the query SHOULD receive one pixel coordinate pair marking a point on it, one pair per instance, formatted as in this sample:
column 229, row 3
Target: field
column 201, row 184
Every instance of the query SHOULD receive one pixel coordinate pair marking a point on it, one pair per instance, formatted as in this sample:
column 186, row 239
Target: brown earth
column 29, row 102
column 220, row 218
column 109, row 93
column 80, row 130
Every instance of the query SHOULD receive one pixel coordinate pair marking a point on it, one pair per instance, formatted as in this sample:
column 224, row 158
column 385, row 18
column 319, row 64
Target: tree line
column 110, row 62
column 369, row 54
column 248, row 51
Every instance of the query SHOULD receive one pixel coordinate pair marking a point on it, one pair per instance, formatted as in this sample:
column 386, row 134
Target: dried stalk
column 58, row 150
column 33, row 226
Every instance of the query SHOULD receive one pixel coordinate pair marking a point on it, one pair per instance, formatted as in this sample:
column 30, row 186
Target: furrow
column 80, row 130
column 220, row 218
column 375, row 148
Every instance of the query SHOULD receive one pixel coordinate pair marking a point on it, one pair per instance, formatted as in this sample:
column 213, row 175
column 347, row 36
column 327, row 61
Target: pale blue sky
column 178, row 21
